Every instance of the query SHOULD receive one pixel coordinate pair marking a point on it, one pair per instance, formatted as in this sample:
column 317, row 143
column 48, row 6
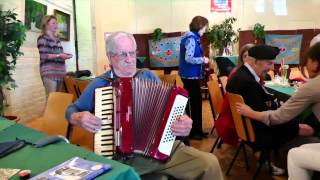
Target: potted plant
column 157, row 35
column 12, row 35
column 258, row 33
column 222, row 35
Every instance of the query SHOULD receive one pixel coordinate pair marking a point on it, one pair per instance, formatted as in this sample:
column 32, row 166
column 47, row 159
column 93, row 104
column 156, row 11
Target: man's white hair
column 315, row 40
column 112, row 40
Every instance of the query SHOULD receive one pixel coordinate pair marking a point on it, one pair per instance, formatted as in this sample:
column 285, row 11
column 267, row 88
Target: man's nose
column 130, row 59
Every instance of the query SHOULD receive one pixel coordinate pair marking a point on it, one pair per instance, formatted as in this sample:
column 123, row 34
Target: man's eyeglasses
column 124, row 55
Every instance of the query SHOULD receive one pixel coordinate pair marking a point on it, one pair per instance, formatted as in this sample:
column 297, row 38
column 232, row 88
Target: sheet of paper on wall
column 6, row 173
column 76, row 169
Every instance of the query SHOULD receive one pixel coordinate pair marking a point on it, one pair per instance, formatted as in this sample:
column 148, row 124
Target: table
column 83, row 78
column 283, row 92
column 41, row 159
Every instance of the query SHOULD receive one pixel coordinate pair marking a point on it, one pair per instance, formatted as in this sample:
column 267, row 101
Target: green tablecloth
column 41, row 159
column 290, row 91
column 5, row 123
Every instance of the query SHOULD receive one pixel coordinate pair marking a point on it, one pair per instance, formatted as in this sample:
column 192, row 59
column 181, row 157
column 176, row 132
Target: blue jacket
column 191, row 56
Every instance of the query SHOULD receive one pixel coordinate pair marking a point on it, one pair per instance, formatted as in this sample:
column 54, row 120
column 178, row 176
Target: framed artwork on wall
column 63, row 23
column 34, row 12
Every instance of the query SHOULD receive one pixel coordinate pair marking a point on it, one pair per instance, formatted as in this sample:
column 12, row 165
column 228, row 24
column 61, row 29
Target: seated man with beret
column 246, row 82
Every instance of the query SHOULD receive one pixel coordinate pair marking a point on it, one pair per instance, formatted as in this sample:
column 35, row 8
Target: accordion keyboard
column 104, row 138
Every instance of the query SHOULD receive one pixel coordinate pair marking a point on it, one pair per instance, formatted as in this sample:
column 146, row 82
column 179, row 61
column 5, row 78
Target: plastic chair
column 53, row 120
column 246, row 134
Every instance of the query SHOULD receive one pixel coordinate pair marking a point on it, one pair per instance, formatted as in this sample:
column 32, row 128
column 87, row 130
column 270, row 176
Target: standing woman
column 191, row 71
column 52, row 58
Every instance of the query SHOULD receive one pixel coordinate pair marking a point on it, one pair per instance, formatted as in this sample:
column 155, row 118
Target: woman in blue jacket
column 191, row 71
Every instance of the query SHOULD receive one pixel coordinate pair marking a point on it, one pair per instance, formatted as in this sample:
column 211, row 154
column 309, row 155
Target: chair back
column 158, row 72
column 243, row 124
column 216, row 98
column 178, row 78
column 81, row 85
column 169, row 78
column 53, row 120
column 71, row 86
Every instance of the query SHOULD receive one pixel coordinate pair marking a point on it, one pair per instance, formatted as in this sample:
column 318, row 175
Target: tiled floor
column 226, row 152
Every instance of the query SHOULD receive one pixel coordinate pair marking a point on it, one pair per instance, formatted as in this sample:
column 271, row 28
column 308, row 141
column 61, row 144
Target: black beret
column 263, row 52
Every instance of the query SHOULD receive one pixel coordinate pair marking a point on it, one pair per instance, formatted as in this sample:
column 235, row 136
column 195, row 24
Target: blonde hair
column 45, row 21
column 243, row 49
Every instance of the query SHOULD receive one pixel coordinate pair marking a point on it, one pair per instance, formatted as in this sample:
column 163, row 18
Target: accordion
column 136, row 117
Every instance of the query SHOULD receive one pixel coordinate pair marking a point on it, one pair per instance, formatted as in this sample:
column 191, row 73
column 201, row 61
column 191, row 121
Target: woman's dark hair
column 314, row 54
column 197, row 23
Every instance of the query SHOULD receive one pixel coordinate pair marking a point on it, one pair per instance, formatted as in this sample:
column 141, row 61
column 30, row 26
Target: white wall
column 86, row 35
column 143, row 16
column 28, row 99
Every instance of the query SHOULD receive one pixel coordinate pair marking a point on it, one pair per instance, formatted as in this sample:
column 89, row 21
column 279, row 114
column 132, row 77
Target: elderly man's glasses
column 124, row 55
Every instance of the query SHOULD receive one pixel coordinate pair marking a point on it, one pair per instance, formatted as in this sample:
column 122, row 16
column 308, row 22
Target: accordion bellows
column 137, row 116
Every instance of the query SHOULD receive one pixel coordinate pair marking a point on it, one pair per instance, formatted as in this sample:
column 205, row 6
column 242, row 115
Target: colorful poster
column 221, row 5
column 164, row 53
column 290, row 47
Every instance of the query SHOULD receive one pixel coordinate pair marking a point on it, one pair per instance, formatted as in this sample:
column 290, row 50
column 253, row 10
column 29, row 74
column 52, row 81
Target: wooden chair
column 81, row 85
column 158, row 72
column 53, row 120
column 246, row 134
column 168, row 78
column 71, row 87
column 216, row 101
column 178, row 78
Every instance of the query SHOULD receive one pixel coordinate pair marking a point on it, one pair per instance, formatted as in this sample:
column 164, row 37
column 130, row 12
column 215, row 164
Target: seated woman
column 302, row 161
